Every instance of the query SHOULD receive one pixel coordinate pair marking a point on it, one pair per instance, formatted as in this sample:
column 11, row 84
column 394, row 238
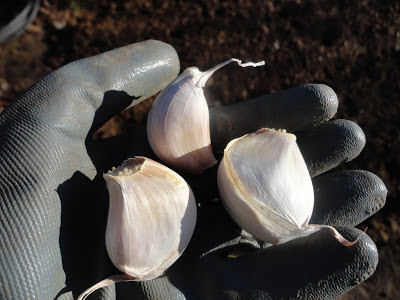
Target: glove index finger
column 293, row 109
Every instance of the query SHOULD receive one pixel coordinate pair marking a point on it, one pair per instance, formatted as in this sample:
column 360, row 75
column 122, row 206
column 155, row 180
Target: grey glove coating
column 338, row 141
column 355, row 194
column 42, row 145
column 293, row 109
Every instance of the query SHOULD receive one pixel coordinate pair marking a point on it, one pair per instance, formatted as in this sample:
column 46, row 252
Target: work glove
column 54, row 201
column 16, row 16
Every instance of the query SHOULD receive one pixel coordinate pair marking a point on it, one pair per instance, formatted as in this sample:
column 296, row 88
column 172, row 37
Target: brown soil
column 352, row 46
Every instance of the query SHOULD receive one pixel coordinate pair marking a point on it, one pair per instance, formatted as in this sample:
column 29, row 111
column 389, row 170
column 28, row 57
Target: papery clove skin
column 151, row 219
column 178, row 126
column 266, row 188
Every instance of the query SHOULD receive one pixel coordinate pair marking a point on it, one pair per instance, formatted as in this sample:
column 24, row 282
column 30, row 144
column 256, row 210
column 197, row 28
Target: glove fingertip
column 331, row 144
column 327, row 97
column 347, row 198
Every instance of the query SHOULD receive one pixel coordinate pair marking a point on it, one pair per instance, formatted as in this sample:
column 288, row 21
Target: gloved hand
column 53, row 199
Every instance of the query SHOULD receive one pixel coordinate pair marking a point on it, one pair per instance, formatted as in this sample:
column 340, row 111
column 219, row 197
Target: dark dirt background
column 352, row 46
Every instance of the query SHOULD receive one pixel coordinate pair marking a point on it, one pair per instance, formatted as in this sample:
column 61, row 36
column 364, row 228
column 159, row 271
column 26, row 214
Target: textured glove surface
column 43, row 151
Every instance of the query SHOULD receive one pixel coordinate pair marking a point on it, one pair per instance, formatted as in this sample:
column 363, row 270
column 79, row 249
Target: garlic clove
column 151, row 219
column 178, row 126
column 266, row 188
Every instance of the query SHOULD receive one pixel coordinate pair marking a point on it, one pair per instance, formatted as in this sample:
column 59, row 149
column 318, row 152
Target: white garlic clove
column 178, row 126
column 151, row 219
column 266, row 188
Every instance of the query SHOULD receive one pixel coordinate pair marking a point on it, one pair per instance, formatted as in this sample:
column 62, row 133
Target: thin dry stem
column 338, row 236
column 106, row 282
